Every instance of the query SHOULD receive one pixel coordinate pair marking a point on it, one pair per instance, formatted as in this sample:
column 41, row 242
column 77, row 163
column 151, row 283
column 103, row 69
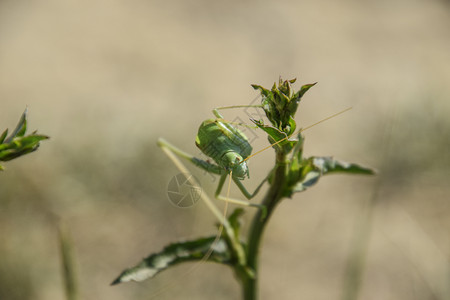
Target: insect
column 227, row 146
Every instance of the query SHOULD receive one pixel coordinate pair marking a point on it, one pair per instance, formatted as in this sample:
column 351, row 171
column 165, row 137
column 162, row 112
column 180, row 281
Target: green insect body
column 226, row 145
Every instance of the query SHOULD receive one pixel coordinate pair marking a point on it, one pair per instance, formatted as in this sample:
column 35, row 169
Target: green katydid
column 227, row 146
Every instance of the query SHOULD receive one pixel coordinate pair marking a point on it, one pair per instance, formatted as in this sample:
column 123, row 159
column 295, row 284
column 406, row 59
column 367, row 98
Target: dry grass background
column 105, row 78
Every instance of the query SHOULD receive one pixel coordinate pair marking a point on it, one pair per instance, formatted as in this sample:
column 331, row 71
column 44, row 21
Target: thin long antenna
column 295, row 133
column 219, row 233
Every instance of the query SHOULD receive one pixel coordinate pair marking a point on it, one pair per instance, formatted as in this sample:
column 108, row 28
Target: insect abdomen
column 217, row 139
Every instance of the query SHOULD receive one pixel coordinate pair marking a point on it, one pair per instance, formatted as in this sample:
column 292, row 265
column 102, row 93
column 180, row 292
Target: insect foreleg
column 244, row 190
column 236, row 201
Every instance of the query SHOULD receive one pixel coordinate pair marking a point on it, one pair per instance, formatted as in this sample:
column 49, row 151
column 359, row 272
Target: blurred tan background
column 105, row 79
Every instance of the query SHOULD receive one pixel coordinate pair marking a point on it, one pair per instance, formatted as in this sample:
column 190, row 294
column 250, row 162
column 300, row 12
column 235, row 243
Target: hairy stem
column 270, row 201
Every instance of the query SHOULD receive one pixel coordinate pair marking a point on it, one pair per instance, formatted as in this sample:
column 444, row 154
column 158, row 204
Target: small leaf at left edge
column 3, row 136
column 20, row 129
column 20, row 146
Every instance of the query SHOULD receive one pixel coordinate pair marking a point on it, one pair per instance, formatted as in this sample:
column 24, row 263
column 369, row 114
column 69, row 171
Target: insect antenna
column 297, row 132
column 220, row 231
column 239, row 106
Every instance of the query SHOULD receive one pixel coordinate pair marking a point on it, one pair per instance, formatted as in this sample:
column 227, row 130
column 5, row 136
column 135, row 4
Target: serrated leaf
column 305, row 173
column 174, row 254
column 329, row 165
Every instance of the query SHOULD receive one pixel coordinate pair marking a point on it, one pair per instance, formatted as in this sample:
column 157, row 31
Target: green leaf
column 21, row 127
column 262, row 90
column 177, row 253
column 305, row 173
column 297, row 156
column 304, row 89
column 292, row 126
column 328, row 165
column 17, row 144
column 20, row 146
column 275, row 136
column 3, row 136
column 293, row 104
column 308, row 181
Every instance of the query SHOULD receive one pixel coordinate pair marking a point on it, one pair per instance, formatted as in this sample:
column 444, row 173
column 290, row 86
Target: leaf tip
column 371, row 171
column 116, row 281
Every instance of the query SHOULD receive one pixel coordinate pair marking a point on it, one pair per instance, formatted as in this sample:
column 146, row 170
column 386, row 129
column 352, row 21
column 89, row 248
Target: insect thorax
column 226, row 145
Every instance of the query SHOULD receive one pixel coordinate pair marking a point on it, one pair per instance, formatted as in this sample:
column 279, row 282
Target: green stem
column 270, row 201
column 68, row 262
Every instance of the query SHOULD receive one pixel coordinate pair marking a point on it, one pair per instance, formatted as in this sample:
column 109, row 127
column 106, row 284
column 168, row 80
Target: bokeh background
column 105, row 79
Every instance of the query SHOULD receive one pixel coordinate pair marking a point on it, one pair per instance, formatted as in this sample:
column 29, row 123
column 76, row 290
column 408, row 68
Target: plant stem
column 68, row 262
column 272, row 198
